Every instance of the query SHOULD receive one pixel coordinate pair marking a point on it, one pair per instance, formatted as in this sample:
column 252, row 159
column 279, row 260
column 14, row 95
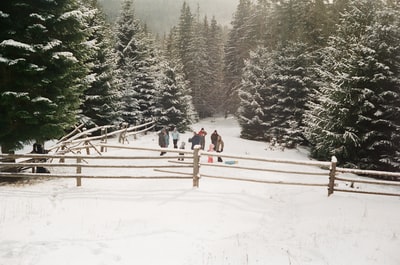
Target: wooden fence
column 80, row 137
column 315, row 173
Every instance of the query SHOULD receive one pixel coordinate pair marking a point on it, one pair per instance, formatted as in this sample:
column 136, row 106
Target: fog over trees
column 162, row 15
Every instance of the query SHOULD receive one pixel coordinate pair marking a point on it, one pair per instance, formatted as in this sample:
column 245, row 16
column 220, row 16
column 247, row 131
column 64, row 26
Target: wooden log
column 332, row 175
column 196, row 166
column 369, row 192
column 266, row 181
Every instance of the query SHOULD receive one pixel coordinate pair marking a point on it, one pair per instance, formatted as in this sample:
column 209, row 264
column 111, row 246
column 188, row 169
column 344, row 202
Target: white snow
column 221, row 222
column 3, row 15
column 18, row 44
column 67, row 55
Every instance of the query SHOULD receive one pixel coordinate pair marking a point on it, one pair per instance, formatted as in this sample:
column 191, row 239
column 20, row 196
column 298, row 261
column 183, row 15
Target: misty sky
column 161, row 15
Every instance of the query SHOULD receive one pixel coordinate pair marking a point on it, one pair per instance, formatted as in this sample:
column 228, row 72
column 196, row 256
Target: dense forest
column 325, row 74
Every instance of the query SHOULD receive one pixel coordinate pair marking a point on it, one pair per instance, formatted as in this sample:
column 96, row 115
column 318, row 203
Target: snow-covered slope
column 151, row 222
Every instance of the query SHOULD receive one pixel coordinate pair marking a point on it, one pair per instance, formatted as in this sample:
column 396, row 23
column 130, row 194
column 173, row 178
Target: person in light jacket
column 175, row 137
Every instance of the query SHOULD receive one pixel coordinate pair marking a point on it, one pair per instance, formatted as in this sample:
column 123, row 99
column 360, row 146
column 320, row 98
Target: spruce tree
column 184, row 36
column 274, row 93
column 136, row 60
column 42, row 69
column 146, row 69
column 357, row 115
column 253, row 92
column 174, row 103
column 198, row 70
column 100, row 99
column 236, row 52
column 215, row 54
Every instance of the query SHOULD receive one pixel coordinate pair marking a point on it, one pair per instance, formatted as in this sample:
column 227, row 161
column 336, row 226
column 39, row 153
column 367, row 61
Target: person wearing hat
column 214, row 139
column 202, row 133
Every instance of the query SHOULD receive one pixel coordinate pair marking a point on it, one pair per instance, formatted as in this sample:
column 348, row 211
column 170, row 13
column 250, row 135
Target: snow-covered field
column 167, row 222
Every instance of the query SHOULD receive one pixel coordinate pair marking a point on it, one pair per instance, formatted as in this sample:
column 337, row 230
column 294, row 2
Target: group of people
column 163, row 139
column 198, row 138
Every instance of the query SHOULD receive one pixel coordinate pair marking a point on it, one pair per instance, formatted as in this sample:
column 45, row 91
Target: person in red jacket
column 202, row 133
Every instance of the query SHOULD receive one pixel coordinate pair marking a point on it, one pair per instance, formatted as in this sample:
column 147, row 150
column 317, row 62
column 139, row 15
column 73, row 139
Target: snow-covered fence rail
column 260, row 168
column 75, row 166
column 333, row 186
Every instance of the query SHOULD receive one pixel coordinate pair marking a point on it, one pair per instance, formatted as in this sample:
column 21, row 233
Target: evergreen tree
column 42, row 69
column 184, row 36
column 305, row 21
column 126, row 45
column 253, row 92
column 146, row 72
column 198, row 70
column 99, row 104
column 357, row 115
column 236, row 51
column 215, row 55
column 274, row 93
column 137, row 66
column 174, row 103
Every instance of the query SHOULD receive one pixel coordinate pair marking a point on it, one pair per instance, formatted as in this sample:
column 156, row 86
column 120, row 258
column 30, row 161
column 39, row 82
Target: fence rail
column 172, row 168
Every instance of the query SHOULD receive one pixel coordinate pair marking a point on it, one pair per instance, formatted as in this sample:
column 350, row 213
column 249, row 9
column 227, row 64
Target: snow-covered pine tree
column 126, row 28
column 146, row 69
column 198, row 69
column 279, row 83
column 215, row 49
column 42, row 68
column 136, row 62
column 357, row 115
column 237, row 50
column 252, row 93
column 174, row 102
column 184, row 36
column 100, row 99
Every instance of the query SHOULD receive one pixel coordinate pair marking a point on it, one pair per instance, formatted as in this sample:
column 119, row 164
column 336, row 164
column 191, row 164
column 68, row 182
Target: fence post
column 63, row 147
column 103, row 139
column 78, row 171
column 196, row 166
column 332, row 174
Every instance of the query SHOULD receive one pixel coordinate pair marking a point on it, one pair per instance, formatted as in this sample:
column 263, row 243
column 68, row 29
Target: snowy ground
column 150, row 222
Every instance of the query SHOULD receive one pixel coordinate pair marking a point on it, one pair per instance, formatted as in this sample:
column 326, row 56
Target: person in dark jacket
column 214, row 139
column 162, row 140
column 195, row 140
column 220, row 147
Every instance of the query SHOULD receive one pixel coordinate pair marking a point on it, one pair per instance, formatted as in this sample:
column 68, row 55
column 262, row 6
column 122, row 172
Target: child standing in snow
column 175, row 137
column 211, row 149
column 182, row 146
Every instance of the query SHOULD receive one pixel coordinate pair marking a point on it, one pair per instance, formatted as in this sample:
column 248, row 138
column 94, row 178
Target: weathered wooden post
column 103, row 139
column 63, row 147
column 332, row 175
column 78, row 171
column 196, row 166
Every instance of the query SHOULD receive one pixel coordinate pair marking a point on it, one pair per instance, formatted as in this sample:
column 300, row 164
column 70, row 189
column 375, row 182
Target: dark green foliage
column 41, row 69
column 273, row 94
column 99, row 103
column 174, row 107
column 138, row 63
column 357, row 115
